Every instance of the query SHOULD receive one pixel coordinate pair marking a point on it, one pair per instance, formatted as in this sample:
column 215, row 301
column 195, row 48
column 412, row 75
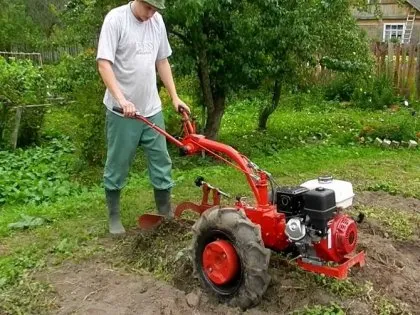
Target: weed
column 399, row 224
column 332, row 309
column 342, row 288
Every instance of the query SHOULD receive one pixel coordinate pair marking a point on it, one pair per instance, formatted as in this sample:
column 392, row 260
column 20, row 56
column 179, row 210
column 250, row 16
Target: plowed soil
column 151, row 274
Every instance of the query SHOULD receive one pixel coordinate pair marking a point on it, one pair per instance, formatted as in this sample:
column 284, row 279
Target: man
column 132, row 45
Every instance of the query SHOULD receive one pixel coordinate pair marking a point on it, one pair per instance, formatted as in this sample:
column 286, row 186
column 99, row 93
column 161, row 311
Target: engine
column 315, row 223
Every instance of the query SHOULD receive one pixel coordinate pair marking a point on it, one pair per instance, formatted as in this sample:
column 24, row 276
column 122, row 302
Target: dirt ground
column 390, row 279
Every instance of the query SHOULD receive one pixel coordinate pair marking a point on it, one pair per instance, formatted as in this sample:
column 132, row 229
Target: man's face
column 146, row 11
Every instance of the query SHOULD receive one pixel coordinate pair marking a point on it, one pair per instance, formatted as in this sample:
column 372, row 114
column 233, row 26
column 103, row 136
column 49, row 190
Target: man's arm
column 165, row 73
column 108, row 76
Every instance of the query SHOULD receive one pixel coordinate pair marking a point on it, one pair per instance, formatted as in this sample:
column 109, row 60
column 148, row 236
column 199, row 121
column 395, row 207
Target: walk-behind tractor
column 231, row 245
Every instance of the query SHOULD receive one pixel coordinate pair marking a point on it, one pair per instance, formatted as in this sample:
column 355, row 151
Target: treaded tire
column 252, row 280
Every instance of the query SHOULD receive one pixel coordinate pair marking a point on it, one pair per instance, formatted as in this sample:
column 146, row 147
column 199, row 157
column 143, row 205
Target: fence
column 401, row 64
column 34, row 57
column 55, row 55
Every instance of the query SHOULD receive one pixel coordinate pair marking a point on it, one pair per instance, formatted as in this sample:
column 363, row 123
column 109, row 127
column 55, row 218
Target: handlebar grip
column 118, row 109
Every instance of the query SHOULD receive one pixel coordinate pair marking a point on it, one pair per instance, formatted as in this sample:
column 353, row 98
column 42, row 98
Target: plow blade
column 150, row 221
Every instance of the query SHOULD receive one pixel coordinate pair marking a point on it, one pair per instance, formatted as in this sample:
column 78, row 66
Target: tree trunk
column 214, row 116
column 268, row 110
column 204, row 75
column 213, row 98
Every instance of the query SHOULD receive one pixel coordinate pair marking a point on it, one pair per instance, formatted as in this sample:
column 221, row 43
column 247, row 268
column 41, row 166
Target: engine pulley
column 295, row 229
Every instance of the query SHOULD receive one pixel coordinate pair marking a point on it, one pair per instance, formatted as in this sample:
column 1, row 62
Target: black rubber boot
column 163, row 202
column 113, row 203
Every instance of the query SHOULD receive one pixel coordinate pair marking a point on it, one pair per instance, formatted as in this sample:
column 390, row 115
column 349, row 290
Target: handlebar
column 117, row 109
column 189, row 128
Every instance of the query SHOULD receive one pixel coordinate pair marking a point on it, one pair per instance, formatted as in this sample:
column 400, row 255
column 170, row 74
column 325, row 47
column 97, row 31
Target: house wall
column 391, row 13
column 375, row 29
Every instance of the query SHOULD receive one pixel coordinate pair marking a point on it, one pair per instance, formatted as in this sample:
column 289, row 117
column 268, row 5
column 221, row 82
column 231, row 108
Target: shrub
column 78, row 78
column 374, row 92
column 398, row 126
column 341, row 88
column 188, row 90
column 21, row 83
column 363, row 90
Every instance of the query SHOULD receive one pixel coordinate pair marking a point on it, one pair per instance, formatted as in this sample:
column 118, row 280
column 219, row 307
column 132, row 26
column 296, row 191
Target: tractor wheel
column 229, row 257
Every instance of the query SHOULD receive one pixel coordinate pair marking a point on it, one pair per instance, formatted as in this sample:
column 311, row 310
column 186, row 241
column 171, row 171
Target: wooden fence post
column 397, row 66
column 15, row 134
column 410, row 72
column 390, row 62
column 418, row 72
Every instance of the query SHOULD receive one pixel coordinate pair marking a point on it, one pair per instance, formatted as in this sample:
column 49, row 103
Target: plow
column 231, row 245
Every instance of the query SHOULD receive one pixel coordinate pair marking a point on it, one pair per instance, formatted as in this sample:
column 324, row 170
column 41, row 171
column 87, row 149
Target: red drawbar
column 220, row 262
column 340, row 271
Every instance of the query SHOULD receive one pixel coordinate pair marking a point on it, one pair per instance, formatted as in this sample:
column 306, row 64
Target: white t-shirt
column 133, row 47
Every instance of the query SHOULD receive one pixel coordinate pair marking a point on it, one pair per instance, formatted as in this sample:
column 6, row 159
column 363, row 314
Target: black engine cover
column 319, row 205
column 290, row 200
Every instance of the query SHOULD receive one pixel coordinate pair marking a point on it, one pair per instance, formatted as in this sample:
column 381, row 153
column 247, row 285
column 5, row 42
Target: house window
column 394, row 31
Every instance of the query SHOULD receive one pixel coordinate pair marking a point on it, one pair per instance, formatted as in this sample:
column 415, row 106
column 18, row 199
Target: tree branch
column 181, row 36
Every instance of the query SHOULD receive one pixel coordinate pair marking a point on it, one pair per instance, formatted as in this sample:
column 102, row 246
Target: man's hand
column 128, row 108
column 178, row 103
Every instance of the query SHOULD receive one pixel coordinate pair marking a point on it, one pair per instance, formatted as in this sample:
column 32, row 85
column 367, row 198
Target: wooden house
column 395, row 22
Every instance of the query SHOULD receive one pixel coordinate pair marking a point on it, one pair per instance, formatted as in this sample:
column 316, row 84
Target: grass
column 76, row 225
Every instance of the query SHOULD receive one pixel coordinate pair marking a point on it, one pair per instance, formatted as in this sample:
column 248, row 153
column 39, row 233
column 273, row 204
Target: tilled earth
column 151, row 274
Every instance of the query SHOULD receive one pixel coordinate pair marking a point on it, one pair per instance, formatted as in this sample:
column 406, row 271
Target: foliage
column 16, row 29
column 21, row 83
column 26, row 222
column 341, row 87
column 27, row 25
column 374, row 92
column 332, row 309
column 187, row 87
column 313, row 34
column 398, row 126
column 36, row 175
column 367, row 91
column 343, row 65
column 78, row 78
column 81, row 20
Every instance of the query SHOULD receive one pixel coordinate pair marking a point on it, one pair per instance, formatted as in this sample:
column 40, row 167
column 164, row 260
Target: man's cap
column 159, row 4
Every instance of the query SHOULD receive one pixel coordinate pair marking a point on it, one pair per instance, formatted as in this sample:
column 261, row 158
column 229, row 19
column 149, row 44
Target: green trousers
column 124, row 135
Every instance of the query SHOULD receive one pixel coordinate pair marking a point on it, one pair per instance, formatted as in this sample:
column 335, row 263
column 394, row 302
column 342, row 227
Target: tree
column 208, row 29
column 298, row 35
column 17, row 28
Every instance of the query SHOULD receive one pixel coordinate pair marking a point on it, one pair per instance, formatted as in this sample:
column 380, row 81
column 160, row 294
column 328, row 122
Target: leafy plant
column 27, row 222
column 398, row 126
column 78, row 78
column 374, row 92
column 21, row 83
column 332, row 309
column 36, row 175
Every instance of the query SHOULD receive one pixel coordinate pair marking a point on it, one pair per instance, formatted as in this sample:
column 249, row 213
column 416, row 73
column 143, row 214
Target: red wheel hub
column 220, row 262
